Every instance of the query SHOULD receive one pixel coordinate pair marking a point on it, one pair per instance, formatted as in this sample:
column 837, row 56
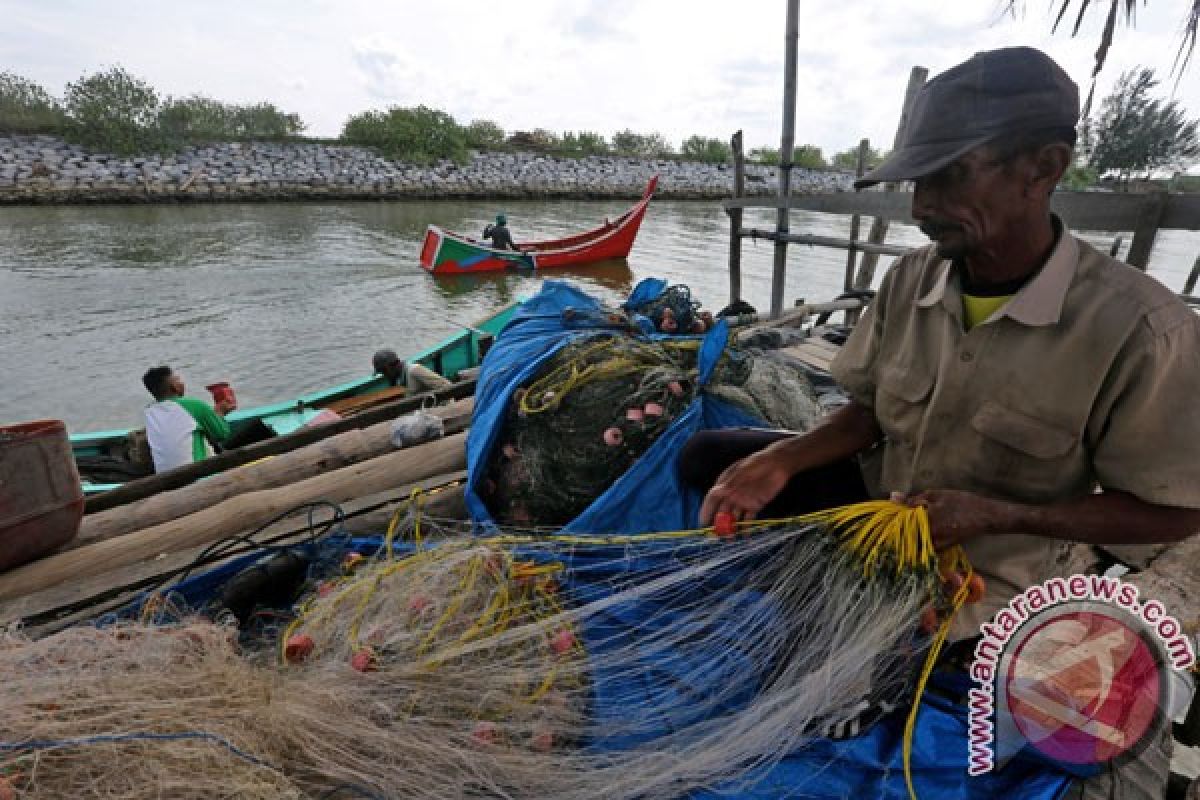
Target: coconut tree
column 1127, row 9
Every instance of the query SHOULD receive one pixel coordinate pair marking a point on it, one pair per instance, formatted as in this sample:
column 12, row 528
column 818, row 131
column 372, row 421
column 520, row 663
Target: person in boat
column 1025, row 388
column 499, row 235
column 416, row 378
column 181, row 429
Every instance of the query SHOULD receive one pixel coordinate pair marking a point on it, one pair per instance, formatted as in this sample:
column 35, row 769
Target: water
column 284, row 299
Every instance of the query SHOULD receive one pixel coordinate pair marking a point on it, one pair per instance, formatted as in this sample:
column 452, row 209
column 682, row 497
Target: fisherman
column 1025, row 388
column 414, row 377
column 180, row 429
column 498, row 233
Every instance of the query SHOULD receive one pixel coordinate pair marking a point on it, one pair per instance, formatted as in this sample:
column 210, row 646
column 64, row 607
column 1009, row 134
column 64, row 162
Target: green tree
column 419, row 135
column 1134, row 133
column 764, row 155
column 263, row 121
column 651, row 145
column 701, row 148
column 25, row 107
column 194, row 117
column 484, row 134
column 113, row 110
column 808, row 156
column 583, row 143
column 848, row 159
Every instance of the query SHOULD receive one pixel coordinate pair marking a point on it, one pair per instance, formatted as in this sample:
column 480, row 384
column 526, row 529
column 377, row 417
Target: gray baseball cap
column 987, row 96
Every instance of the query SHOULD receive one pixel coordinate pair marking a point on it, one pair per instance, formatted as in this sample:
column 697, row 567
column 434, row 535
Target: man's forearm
column 846, row 432
column 1108, row 518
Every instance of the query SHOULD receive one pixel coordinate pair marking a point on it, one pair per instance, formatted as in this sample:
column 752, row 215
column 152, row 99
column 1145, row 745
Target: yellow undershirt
column 976, row 309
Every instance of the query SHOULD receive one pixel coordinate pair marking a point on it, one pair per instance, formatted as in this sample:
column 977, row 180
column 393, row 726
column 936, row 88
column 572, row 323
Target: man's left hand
column 956, row 516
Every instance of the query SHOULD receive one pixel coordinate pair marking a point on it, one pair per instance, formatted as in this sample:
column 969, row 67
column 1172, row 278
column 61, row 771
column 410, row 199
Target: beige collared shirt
column 1088, row 377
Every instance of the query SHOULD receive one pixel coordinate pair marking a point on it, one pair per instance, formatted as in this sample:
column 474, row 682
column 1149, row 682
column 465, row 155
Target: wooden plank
column 1146, row 229
column 879, row 226
column 353, row 405
column 826, row 241
column 1096, row 211
column 182, row 476
column 326, row 455
column 1172, row 580
column 860, row 167
column 735, row 220
column 786, row 151
column 87, row 598
column 236, row 514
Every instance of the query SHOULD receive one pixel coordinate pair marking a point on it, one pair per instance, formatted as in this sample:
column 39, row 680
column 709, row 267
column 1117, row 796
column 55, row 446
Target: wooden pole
column 1147, row 229
column 1190, row 283
column 735, row 220
column 860, row 167
column 786, row 145
column 182, row 476
column 866, row 268
column 237, row 514
column 326, row 455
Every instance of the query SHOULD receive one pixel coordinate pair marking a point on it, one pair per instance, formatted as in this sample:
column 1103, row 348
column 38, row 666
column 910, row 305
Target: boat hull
column 105, row 458
column 444, row 252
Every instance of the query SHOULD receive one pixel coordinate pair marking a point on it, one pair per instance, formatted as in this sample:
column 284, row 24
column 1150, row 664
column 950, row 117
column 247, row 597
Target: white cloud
column 603, row 65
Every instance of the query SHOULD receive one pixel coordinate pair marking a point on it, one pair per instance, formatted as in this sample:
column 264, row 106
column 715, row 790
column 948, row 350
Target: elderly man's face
column 971, row 205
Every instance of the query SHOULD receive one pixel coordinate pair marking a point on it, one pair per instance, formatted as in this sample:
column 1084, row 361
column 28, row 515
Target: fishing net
column 526, row 664
column 675, row 311
column 601, row 401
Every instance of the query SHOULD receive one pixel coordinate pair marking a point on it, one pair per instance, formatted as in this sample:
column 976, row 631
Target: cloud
column 599, row 21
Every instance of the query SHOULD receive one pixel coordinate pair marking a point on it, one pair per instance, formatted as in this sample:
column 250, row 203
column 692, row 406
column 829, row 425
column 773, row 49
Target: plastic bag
column 416, row 428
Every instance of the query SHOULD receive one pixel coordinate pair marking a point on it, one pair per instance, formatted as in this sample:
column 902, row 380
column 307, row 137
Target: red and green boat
column 448, row 253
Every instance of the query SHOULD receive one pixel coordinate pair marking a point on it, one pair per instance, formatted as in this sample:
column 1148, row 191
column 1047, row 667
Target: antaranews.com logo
column 1077, row 667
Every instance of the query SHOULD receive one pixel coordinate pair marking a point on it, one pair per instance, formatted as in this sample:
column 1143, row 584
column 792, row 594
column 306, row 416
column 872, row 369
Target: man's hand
column 956, row 516
column 746, row 486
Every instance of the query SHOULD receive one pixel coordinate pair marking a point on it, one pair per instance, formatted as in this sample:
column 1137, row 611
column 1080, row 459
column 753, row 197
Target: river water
column 282, row 299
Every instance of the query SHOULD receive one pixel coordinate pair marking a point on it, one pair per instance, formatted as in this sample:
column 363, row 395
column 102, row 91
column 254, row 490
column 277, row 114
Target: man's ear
column 1049, row 165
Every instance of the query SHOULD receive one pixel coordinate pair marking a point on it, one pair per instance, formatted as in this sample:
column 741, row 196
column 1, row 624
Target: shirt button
column 966, row 355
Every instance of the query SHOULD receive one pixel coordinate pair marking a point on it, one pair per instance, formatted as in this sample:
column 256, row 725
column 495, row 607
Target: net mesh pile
column 603, row 400
column 527, row 664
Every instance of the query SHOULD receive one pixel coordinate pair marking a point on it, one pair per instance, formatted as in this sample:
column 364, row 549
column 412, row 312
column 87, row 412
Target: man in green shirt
column 180, row 429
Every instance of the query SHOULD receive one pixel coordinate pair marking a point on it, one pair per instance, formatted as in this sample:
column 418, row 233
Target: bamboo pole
column 879, row 228
column 330, row 454
column 786, row 146
column 236, row 514
column 735, row 220
column 182, row 476
column 827, row 241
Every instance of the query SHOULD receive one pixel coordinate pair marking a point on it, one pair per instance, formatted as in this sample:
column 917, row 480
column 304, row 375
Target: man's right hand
column 746, row 486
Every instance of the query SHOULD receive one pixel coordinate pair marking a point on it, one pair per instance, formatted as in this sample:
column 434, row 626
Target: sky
column 676, row 68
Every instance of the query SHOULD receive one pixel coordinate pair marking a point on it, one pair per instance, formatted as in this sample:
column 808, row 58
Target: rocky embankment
column 45, row 169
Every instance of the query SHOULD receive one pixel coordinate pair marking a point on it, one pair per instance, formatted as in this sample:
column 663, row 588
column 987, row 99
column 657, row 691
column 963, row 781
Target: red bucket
column 41, row 499
column 222, row 393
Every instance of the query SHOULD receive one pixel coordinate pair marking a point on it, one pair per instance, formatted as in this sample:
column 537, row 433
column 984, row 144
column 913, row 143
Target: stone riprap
column 45, row 169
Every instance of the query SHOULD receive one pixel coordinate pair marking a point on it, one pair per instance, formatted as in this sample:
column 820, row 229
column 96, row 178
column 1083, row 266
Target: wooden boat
column 107, row 459
column 448, row 253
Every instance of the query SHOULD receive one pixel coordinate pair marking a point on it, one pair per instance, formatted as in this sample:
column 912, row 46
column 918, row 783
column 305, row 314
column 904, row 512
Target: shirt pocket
column 1022, row 455
column 901, row 400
